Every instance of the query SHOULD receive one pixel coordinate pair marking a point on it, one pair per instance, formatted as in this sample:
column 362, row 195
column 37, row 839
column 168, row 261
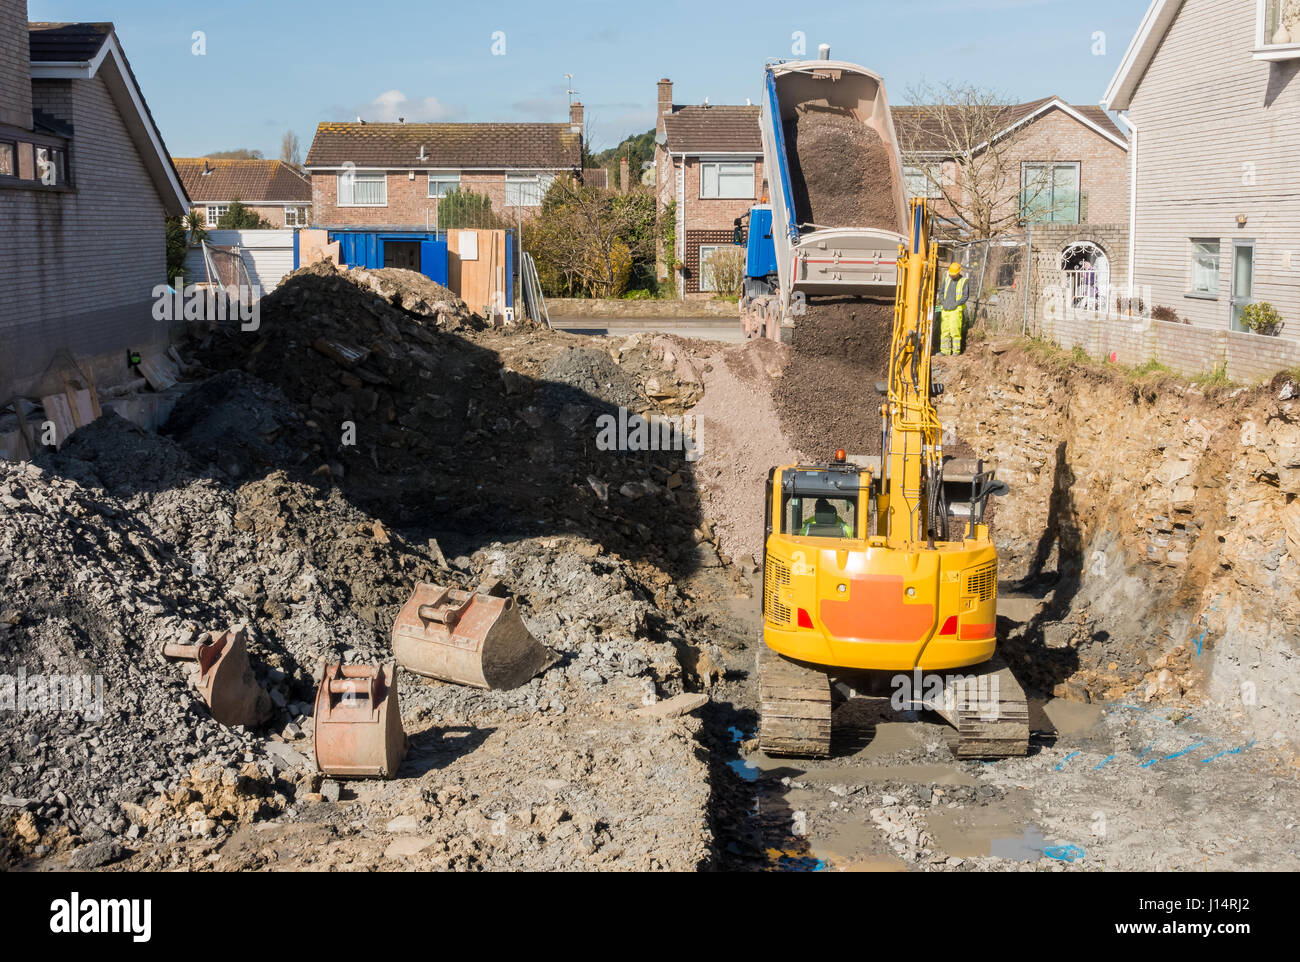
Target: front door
column 1243, row 279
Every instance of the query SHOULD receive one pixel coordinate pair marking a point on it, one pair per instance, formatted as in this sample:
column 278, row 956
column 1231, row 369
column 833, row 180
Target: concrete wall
column 77, row 266
column 15, row 65
column 1218, row 135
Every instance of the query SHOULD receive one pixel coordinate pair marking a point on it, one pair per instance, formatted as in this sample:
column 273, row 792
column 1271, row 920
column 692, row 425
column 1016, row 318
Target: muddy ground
column 476, row 457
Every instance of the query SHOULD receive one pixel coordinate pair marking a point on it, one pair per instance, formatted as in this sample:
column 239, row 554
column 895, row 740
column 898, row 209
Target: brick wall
column 1186, row 349
column 694, row 238
column 709, row 214
column 15, row 65
column 409, row 203
column 78, row 267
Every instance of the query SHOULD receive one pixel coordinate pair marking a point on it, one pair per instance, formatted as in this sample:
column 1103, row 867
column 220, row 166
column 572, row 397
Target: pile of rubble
column 249, row 510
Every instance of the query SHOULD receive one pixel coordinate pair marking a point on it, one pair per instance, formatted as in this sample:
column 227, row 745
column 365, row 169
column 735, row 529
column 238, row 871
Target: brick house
column 272, row 189
column 1061, row 168
column 1209, row 89
column 395, row 175
column 85, row 186
column 709, row 171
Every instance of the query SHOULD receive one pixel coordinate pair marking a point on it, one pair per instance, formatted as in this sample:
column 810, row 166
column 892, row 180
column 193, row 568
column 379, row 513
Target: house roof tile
column 713, row 129
column 66, row 42
column 246, row 180
column 500, row 145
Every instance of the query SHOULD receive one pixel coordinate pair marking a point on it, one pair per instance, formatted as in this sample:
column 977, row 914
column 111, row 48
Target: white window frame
column 209, row 218
column 718, row 179
column 933, row 190
column 1051, row 167
column 446, row 177
column 521, row 180
column 701, row 259
column 1266, row 49
column 294, row 209
column 369, row 177
column 1192, row 290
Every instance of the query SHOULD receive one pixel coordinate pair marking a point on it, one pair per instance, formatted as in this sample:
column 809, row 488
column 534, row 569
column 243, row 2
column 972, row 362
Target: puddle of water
column 1027, row 847
column 746, row 770
column 1071, row 717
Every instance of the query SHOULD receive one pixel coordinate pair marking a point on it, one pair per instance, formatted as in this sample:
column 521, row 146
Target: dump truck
column 831, row 224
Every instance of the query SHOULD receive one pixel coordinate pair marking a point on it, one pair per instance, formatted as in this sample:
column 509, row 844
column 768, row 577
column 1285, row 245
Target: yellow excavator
column 862, row 574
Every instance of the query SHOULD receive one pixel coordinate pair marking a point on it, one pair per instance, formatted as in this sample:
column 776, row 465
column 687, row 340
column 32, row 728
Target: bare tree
column 290, row 151
column 960, row 139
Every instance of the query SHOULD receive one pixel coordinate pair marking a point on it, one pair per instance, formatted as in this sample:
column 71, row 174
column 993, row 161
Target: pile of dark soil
column 827, row 396
column 841, row 173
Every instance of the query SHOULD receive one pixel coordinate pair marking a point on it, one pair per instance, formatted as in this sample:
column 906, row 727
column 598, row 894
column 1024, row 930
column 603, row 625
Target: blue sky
column 275, row 65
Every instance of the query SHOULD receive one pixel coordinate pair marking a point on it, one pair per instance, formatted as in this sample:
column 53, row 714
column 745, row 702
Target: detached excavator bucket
column 357, row 731
column 226, row 678
column 474, row 638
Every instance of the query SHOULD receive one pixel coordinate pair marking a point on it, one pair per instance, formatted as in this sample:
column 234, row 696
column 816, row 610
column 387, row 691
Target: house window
column 1204, row 281
column 52, row 166
column 706, row 279
column 297, row 216
column 724, row 180
column 357, row 189
column 1049, row 193
column 924, row 181
column 213, row 213
column 443, row 182
column 527, row 190
column 7, row 166
column 1277, row 29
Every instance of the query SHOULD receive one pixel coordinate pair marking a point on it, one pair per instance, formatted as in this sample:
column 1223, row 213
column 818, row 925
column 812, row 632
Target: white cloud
column 391, row 105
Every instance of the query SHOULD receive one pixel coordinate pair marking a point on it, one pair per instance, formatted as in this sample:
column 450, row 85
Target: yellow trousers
column 950, row 324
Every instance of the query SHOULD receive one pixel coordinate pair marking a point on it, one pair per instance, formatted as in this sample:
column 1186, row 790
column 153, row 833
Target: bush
column 1162, row 313
column 239, row 217
column 726, row 267
column 1262, row 318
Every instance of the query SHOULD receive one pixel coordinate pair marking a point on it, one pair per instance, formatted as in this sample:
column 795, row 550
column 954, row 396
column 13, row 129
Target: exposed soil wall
column 1165, row 517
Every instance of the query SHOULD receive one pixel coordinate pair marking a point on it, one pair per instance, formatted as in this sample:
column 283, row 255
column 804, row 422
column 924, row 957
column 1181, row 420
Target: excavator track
column 795, row 707
column 988, row 708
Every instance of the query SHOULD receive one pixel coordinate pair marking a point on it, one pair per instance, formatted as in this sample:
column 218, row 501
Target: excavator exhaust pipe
column 226, row 679
column 358, row 727
column 474, row 638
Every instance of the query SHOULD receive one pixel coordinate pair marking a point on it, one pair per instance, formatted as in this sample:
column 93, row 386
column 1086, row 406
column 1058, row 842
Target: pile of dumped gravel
column 841, row 172
column 827, row 396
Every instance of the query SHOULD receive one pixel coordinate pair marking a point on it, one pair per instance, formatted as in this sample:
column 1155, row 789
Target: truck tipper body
column 789, row 260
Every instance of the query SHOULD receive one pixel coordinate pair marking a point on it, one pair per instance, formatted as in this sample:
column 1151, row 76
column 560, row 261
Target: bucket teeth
column 226, row 679
column 474, row 638
column 357, row 732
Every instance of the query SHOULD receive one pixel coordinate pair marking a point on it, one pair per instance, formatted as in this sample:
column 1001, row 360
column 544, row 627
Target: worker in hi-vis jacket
column 952, row 307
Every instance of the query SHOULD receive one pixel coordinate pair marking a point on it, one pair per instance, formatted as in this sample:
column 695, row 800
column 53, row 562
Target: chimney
column 665, row 102
column 622, row 175
column 575, row 114
column 15, row 66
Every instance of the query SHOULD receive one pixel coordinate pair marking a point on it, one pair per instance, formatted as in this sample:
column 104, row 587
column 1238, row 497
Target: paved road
column 705, row 328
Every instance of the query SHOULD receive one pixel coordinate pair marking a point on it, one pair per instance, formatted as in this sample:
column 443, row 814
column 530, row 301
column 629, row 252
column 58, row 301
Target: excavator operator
column 825, row 522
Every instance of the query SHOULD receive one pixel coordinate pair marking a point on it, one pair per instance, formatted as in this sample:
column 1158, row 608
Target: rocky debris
column 416, row 294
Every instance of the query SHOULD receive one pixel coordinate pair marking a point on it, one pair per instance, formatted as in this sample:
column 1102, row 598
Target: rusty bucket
column 357, row 732
column 226, row 679
column 474, row 638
